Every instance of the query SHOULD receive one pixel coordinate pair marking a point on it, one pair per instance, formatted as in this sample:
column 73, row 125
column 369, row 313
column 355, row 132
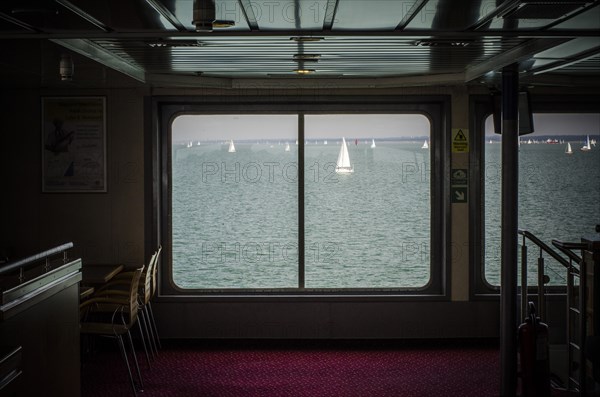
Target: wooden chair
column 113, row 315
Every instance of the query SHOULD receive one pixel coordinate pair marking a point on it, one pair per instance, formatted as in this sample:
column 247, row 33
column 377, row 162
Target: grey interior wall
column 104, row 227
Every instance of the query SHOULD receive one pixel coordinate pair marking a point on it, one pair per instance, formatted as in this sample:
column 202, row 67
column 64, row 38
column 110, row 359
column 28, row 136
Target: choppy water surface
column 559, row 198
column 235, row 216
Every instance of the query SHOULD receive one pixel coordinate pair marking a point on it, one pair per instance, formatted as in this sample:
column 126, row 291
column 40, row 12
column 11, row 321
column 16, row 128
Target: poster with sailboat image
column 73, row 144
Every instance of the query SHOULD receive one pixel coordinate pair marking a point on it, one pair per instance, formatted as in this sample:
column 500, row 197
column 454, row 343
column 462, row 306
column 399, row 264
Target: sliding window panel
column 367, row 201
column 234, row 201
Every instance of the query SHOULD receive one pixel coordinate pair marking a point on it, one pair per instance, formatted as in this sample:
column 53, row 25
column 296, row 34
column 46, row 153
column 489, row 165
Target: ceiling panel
column 289, row 14
column 45, row 15
column 225, row 10
column 364, row 38
column 6, row 26
column 125, row 16
column 587, row 67
column 450, row 14
column 589, row 19
column 528, row 15
column 337, row 55
column 372, row 15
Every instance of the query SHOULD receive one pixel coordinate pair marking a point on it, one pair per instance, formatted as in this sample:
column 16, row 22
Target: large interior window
column 559, row 187
column 234, row 201
column 317, row 198
column 368, row 224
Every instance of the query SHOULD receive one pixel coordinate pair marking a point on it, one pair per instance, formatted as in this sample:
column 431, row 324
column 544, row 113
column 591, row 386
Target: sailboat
column 373, row 144
column 568, row 150
column 587, row 145
column 231, row 147
column 343, row 161
column 425, row 145
column 287, row 147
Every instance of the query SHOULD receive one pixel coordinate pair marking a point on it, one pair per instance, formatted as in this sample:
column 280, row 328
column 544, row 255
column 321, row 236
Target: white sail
column 569, row 150
column 343, row 161
column 587, row 145
column 287, row 147
column 231, row 147
column 373, row 144
column 425, row 145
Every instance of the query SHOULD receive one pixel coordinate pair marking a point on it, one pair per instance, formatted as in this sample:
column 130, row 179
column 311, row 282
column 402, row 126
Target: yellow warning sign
column 460, row 140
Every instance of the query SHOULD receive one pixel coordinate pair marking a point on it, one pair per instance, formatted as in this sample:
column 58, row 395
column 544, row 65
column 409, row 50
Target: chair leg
column 143, row 338
column 149, row 331
column 124, row 354
column 135, row 361
column 153, row 322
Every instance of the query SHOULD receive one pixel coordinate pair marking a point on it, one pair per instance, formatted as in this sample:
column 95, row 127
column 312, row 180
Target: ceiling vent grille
column 442, row 43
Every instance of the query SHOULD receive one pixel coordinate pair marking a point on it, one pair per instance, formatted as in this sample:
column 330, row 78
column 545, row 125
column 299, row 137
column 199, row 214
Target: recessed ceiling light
column 221, row 23
column 304, row 71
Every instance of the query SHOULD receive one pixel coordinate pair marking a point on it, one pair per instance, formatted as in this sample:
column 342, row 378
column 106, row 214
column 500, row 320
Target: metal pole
column 541, row 290
column 300, row 162
column 510, row 187
column 524, row 269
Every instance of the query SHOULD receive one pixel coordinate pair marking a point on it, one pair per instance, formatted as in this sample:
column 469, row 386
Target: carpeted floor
column 303, row 369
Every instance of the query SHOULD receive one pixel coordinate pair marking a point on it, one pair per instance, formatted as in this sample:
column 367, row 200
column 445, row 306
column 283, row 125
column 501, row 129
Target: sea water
column 559, row 198
column 235, row 215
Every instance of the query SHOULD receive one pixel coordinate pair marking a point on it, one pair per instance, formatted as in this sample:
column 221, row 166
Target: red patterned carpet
column 304, row 369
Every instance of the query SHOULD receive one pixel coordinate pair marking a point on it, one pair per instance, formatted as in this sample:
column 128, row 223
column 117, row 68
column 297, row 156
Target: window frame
column 480, row 107
column 163, row 110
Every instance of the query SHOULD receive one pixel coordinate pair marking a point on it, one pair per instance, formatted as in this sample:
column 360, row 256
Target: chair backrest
column 132, row 302
column 155, row 271
column 146, row 280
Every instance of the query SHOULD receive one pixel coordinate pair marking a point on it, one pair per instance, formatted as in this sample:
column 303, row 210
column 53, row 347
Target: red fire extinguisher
column 535, row 363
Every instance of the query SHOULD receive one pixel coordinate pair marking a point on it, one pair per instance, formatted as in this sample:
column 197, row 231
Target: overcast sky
column 284, row 127
column 215, row 127
column 559, row 124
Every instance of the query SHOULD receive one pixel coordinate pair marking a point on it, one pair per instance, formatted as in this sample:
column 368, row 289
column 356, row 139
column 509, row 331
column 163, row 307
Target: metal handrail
column 545, row 247
column 30, row 260
column 566, row 248
column 540, row 267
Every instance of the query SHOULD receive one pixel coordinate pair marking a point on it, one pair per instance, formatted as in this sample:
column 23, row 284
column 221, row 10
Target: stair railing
column 576, row 303
column 575, row 331
column 542, row 278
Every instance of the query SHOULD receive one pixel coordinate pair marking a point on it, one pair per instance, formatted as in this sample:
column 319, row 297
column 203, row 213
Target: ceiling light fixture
column 304, row 71
column 204, row 15
column 66, row 67
column 204, row 12
column 221, row 23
